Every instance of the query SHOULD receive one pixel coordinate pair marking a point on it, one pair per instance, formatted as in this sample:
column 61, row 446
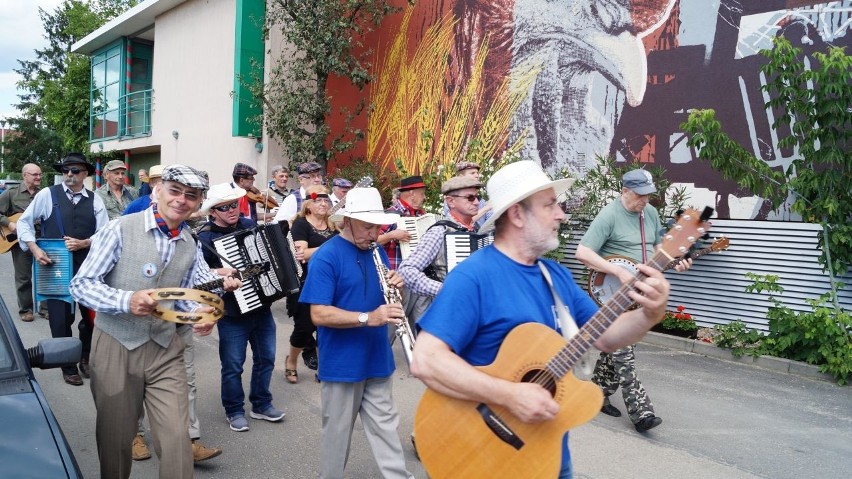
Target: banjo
column 603, row 286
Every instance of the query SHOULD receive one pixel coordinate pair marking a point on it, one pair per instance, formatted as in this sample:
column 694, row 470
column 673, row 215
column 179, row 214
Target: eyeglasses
column 34, row 174
column 189, row 194
column 228, row 207
column 73, row 171
column 471, row 198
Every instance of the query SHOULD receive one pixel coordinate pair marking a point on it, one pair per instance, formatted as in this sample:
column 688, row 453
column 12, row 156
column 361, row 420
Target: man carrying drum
column 137, row 358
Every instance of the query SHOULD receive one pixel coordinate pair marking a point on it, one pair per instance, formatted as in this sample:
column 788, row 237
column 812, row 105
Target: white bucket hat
column 221, row 193
column 515, row 182
column 365, row 204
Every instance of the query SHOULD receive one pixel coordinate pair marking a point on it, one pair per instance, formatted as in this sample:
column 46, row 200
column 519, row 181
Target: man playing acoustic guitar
column 629, row 226
column 502, row 287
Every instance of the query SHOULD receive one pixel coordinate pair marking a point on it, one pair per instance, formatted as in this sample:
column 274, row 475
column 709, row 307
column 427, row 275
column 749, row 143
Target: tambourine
column 187, row 294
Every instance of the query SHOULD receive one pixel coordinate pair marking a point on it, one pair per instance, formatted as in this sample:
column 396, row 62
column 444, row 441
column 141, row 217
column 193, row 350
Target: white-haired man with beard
column 503, row 286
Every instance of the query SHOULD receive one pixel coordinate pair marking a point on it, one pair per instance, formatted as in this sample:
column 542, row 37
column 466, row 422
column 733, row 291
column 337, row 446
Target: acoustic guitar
column 602, row 286
column 459, row 438
column 9, row 238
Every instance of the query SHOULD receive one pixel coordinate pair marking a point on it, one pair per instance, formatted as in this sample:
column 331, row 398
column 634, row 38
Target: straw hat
column 365, row 204
column 515, row 182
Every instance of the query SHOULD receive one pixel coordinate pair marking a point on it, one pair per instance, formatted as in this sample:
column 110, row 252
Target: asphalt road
column 721, row 420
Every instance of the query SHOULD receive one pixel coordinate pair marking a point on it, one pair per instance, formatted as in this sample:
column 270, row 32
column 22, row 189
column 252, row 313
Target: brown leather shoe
column 200, row 452
column 27, row 317
column 73, row 379
column 140, row 449
column 84, row 368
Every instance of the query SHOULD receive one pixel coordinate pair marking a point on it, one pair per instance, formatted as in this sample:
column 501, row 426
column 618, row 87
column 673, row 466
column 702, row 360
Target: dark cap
column 309, row 167
column 639, row 181
column 341, row 183
column 459, row 183
column 242, row 170
column 411, row 183
column 74, row 159
column 187, row 176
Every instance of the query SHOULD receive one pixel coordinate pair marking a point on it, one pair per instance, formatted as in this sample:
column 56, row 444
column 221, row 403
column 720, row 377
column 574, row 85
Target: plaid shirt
column 392, row 247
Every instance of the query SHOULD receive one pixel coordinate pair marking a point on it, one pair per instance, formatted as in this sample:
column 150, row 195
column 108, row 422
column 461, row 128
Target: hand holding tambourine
column 147, row 303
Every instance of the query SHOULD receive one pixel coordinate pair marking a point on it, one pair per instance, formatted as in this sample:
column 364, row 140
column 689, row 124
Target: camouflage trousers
column 619, row 369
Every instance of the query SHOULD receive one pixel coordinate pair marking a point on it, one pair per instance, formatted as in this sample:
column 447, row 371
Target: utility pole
column 3, row 146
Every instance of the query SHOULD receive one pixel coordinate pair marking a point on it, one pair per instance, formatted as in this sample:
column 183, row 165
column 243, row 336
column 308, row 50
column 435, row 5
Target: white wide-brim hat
column 221, row 193
column 365, row 204
column 515, row 182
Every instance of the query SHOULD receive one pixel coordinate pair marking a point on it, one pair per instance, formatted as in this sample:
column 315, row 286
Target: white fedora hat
column 365, row 204
column 515, row 182
column 221, row 193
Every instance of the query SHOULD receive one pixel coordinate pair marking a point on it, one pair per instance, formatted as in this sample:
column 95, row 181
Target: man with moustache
column 137, row 359
column 238, row 330
column 12, row 201
column 348, row 306
column 628, row 226
column 74, row 213
column 503, row 286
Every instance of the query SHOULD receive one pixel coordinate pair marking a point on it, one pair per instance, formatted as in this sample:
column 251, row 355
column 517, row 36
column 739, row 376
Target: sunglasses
column 224, row 208
column 471, row 198
column 73, row 171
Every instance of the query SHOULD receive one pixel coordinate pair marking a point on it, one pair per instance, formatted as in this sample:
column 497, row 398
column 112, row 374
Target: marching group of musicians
column 352, row 258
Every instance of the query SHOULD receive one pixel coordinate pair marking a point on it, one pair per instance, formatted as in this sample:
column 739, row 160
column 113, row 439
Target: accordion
column 461, row 244
column 416, row 227
column 266, row 243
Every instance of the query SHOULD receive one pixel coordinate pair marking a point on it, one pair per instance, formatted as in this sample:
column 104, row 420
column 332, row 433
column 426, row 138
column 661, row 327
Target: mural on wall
column 612, row 77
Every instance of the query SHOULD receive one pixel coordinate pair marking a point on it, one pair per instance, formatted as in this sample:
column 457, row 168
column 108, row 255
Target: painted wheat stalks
column 417, row 119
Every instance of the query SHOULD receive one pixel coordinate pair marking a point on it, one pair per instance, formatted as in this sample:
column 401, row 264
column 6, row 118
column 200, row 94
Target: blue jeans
column 235, row 333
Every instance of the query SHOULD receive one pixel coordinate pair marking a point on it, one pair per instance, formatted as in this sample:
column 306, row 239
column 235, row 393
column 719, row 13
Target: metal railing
column 136, row 113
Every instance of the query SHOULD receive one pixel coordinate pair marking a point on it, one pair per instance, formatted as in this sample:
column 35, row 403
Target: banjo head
column 603, row 286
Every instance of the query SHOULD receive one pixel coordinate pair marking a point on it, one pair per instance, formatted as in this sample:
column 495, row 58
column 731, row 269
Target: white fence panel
column 713, row 290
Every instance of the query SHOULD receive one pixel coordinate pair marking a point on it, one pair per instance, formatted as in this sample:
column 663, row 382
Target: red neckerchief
column 411, row 211
column 161, row 223
column 469, row 225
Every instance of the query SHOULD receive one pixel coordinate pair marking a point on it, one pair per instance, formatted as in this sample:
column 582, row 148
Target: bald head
column 31, row 174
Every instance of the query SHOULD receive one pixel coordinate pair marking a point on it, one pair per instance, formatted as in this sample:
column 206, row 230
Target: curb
column 695, row 346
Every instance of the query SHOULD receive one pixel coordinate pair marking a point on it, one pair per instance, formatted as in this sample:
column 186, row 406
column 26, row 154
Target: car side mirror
column 55, row 352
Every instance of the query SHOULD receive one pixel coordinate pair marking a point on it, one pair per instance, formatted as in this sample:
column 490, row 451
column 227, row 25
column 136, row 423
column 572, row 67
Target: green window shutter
column 248, row 63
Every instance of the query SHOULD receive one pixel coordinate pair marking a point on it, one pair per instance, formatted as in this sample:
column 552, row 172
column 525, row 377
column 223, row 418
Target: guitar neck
column 694, row 255
column 594, row 328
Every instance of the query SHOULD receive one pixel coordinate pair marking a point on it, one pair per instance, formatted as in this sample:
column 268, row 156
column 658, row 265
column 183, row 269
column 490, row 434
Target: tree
column 812, row 108
column 55, row 86
column 324, row 39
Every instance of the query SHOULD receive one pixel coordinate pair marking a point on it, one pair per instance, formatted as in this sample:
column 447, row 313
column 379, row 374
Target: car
column 31, row 442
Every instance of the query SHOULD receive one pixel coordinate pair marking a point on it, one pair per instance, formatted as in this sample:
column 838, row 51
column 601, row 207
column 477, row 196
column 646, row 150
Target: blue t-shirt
column 343, row 276
column 488, row 294
column 139, row 204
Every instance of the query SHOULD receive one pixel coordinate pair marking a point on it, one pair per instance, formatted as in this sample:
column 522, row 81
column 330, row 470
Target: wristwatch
column 362, row 319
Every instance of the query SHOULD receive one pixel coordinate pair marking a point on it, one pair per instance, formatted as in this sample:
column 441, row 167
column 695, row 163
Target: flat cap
column 187, row 176
column 466, row 165
column 114, row 165
column 459, row 183
column 341, row 183
column 309, row 167
column 242, row 170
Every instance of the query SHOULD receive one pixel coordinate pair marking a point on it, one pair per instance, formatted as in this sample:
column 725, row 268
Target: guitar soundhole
column 541, row 377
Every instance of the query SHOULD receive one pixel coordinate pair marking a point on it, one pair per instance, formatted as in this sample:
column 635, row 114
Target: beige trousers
column 122, row 383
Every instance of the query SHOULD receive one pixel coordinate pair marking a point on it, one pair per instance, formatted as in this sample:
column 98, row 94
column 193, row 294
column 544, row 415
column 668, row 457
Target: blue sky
column 21, row 33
